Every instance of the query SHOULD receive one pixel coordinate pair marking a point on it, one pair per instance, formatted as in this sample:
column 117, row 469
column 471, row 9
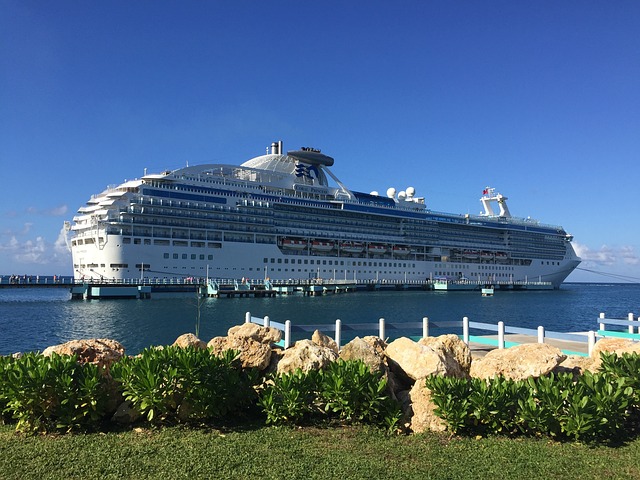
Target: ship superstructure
column 286, row 216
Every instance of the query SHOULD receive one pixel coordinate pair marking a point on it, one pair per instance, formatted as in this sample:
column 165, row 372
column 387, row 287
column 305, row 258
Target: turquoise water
column 34, row 318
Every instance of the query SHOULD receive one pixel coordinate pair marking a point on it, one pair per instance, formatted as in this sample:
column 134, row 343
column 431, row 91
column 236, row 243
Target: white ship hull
column 231, row 222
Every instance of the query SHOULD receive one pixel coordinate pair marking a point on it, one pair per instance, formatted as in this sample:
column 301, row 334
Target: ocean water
column 34, row 318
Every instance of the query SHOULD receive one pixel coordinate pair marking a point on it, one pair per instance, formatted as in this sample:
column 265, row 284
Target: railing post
column 465, row 330
column 501, row 335
column 540, row 334
column 381, row 328
column 287, row 334
column 602, row 326
column 338, row 333
column 266, row 321
column 591, row 341
column 247, row 317
column 630, row 317
column 425, row 327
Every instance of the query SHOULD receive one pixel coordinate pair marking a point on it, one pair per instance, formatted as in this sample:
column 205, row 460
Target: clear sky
column 540, row 100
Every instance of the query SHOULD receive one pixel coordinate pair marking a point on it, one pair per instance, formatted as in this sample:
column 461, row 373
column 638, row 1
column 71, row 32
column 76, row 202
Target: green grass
column 343, row 453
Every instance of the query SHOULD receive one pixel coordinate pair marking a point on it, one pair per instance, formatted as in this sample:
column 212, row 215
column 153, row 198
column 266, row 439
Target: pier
column 146, row 288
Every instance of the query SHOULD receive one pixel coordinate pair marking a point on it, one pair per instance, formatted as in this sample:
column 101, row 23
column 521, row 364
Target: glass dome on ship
column 287, row 217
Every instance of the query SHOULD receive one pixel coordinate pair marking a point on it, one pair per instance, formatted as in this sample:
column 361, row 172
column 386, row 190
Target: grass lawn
column 345, row 453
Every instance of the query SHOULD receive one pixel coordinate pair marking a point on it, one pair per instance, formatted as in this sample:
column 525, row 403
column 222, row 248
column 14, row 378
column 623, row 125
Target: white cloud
column 49, row 212
column 37, row 251
column 629, row 256
column 604, row 256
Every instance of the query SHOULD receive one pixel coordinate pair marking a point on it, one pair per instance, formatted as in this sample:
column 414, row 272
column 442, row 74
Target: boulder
column 423, row 417
column 189, row 340
column 419, row 361
column 252, row 331
column 451, row 347
column 613, row 345
column 305, row 355
column 253, row 354
column 323, row 340
column 100, row 351
column 576, row 365
column 360, row 349
column 519, row 362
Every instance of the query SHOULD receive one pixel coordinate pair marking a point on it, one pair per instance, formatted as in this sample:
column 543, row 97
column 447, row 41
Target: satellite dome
column 391, row 192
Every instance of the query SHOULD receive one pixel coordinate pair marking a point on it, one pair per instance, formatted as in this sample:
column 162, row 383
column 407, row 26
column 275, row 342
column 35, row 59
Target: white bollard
column 266, row 321
column 630, row 317
column 287, row 334
column 338, row 333
column 381, row 329
column 425, row 327
column 541, row 334
column 500, row 335
column 591, row 341
column 465, row 330
column 247, row 317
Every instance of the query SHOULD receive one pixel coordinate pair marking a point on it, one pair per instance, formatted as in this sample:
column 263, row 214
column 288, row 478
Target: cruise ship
column 285, row 216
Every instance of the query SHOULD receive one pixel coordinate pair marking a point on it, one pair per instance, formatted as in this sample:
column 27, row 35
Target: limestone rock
column 453, row 348
column 419, row 361
column 612, row 345
column 519, row 362
column 305, row 355
column 251, row 331
column 575, row 364
column 424, row 418
column 100, row 351
column 359, row 349
column 253, row 354
column 189, row 340
column 323, row 340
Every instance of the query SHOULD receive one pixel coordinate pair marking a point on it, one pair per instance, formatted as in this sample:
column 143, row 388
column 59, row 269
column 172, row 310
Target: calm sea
column 34, row 318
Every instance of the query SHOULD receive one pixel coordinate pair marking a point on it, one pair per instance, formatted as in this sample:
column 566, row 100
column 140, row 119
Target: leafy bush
column 290, row 398
column 52, row 393
column 184, row 384
column 593, row 407
column 345, row 391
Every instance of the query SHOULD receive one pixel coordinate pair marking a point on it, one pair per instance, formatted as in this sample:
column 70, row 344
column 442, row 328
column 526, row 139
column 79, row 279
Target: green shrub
column 593, row 407
column 352, row 392
column 346, row 391
column 290, row 398
column 180, row 384
column 53, row 393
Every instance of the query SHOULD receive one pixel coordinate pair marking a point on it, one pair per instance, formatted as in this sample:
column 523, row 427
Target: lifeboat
column 501, row 257
column 487, row 255
column 401, row 250
column 322, row 245
column 471, row 254
column 294, row 243
column 376, row 248
column 352, row 247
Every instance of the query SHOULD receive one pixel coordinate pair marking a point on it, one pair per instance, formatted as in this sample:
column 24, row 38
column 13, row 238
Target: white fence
column 498, row 340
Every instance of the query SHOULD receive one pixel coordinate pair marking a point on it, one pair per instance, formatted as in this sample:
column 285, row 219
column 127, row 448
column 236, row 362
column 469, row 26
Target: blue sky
column 540, row 100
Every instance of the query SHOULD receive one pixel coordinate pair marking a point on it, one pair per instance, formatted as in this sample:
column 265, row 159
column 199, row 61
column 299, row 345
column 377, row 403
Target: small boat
column 352, row 247
column 487, row 291
column 294, row 243
column 401, row 250
column 448, row 284
column 376, row 249
column 322, row 245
